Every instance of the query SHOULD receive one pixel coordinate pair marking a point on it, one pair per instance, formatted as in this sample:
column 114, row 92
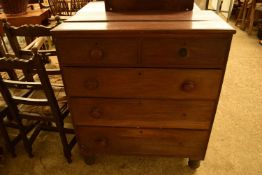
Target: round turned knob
column 91, row 84
column 183, row 52
column 188, row 86
column 96, row 53
column 96, row 112
column 101, row 141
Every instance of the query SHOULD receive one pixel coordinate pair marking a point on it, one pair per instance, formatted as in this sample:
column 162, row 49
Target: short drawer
column 143, row 83
column 105, row 51
column 142, row 113
column 169, row 142
column 185, row 52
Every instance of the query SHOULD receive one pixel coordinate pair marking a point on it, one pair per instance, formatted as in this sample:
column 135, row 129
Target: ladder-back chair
column 32, row 33
column 41, row 105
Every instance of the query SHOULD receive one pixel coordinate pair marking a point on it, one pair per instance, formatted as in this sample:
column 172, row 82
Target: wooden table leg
column 194, row 164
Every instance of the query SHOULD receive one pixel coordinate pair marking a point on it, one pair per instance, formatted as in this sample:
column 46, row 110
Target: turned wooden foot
column 90, row 159
column 194, row 164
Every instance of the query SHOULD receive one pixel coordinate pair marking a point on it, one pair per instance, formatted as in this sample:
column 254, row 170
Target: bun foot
column 90, row 160
column 194, row 164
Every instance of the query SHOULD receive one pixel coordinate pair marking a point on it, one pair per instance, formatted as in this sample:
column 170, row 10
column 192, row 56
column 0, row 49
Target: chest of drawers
column 141, row 83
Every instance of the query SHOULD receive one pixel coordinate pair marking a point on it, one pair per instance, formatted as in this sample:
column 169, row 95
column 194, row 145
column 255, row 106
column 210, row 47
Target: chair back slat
column 22, row 84
column 30, row 101
column 15, row 63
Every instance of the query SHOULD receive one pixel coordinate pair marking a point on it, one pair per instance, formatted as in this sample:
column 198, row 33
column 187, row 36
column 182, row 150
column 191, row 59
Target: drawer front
column 142, row 113
column 170, row 142
column 97, row 51
column 186, row 52
column 142, row 83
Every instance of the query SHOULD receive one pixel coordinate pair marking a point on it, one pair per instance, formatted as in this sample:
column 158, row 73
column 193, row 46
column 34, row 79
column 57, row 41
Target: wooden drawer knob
column 91, row 84
column 188, row 86
column 96, row 53
column 183, row 52
column 96, row 112
column 101, row 141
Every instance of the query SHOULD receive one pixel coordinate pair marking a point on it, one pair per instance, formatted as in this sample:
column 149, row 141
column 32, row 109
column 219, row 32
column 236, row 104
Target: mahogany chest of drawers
column 143, row 83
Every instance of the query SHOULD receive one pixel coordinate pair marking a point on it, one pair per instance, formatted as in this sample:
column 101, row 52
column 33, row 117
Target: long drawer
column 142, row 83
column 142, row 113
column 147, row 52
column 169, row 142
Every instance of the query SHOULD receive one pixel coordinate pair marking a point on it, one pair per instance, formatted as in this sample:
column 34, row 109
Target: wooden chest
column 143, row 83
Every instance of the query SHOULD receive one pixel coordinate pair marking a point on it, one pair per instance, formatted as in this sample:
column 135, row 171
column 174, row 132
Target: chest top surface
column 93, row 18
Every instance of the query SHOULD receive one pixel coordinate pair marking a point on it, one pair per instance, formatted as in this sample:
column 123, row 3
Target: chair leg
column 27, row 144
column 66, row 149
column 9, row 146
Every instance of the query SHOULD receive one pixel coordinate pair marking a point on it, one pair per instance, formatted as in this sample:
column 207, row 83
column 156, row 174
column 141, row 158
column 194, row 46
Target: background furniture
column 59, row 7
column 78, row 4
column 148, row 88
column 248, row 14
column 36, row 16
column 243, row 14
column 66, row 7
column 256, row 9
column 14, row 7
column 224, row 6
column 228, row 7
